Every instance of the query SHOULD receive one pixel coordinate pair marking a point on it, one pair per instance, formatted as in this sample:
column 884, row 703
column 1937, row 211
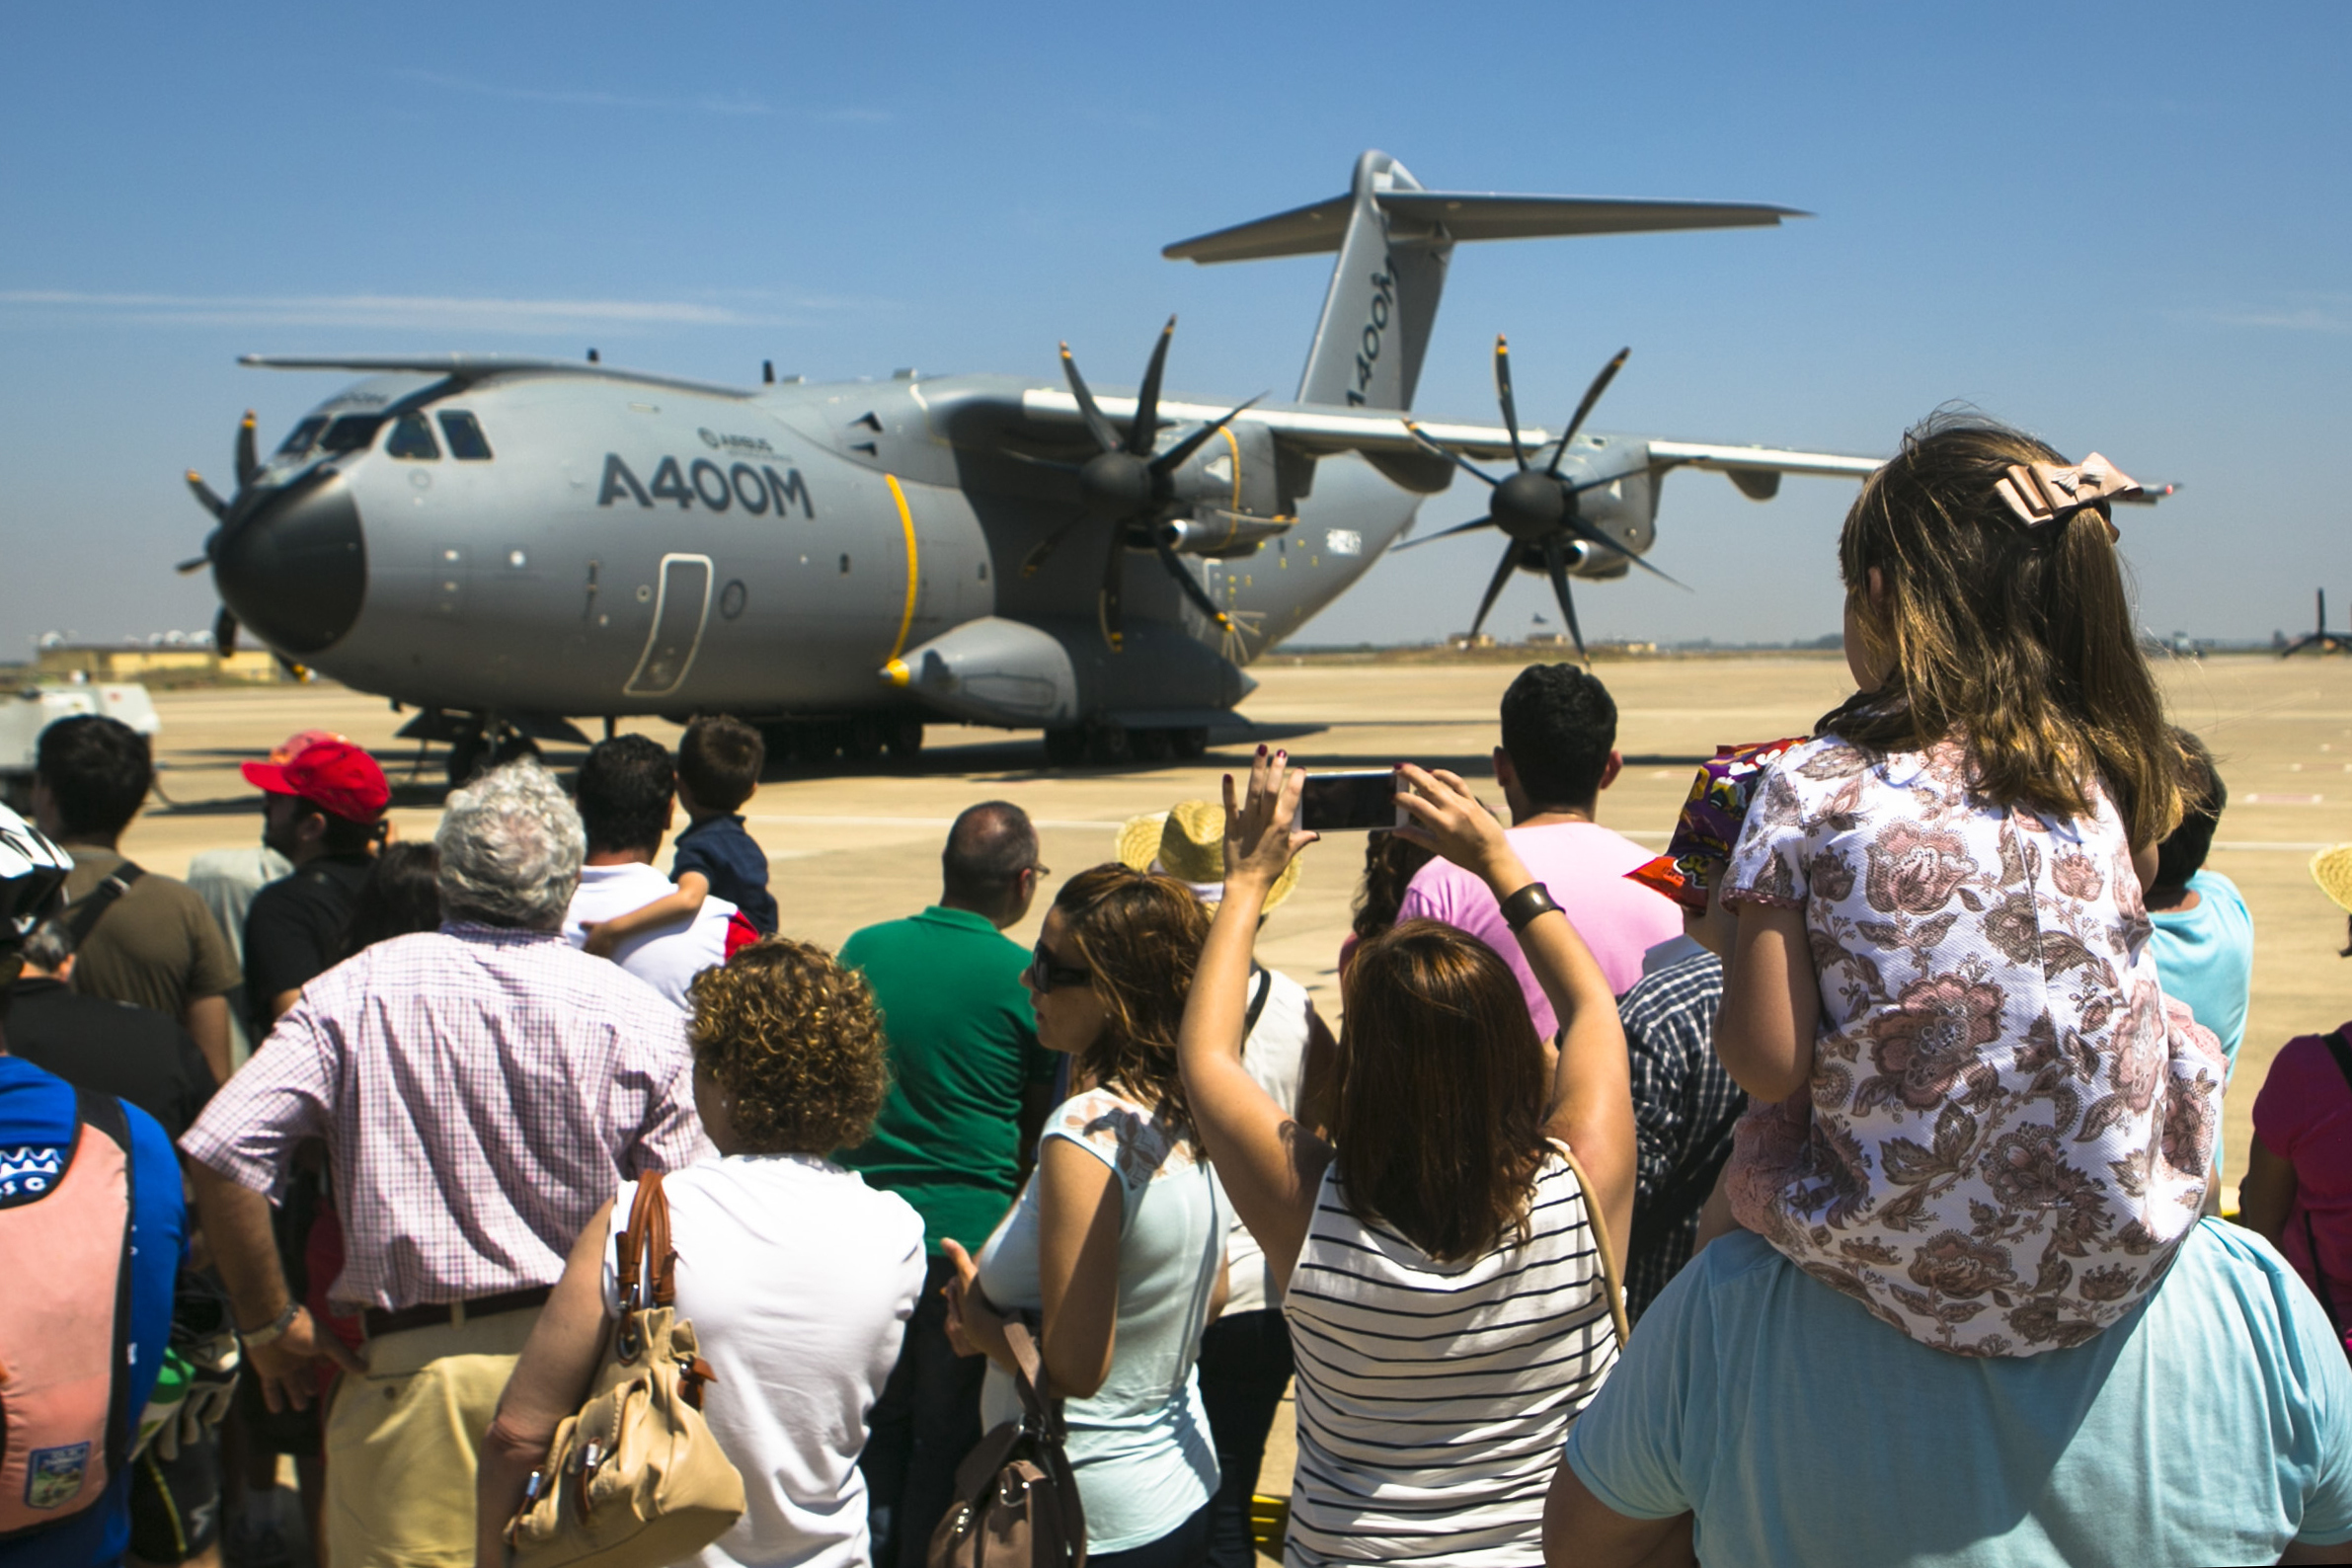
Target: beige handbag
column 634, row 1479
column 1017, row 1503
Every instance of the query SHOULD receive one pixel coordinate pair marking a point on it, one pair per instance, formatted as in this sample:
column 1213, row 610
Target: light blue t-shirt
column 1140, row 1446
column 2211, row 1424
column 2206, row 956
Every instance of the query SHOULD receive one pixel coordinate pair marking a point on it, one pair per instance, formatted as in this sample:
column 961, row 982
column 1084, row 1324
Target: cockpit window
column 412, row 437
column 467, row 443
column 303, row 437
column 354, row 433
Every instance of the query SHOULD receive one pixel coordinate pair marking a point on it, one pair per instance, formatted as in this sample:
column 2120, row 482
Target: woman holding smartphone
column 1448, row 1260
column 1117, row 1240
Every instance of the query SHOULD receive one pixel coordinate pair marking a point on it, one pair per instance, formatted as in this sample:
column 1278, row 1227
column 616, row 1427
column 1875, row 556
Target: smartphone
column 1350, row 802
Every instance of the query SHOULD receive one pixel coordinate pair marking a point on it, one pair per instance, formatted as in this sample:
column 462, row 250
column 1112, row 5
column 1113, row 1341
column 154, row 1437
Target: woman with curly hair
column 1119, row 1238
column 798, row 1278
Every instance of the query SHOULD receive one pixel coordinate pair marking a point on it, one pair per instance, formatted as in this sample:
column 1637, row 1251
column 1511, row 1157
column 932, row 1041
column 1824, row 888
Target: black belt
column 451, row 1314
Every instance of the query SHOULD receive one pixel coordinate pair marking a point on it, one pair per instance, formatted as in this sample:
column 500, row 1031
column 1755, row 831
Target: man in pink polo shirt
column 1558, row 753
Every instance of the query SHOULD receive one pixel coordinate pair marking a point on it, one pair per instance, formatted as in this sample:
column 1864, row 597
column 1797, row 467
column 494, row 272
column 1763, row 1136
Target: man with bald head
column 970, row 1089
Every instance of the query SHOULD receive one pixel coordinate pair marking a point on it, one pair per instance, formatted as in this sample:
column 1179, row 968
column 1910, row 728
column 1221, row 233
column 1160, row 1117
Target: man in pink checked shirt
column 482, row 1091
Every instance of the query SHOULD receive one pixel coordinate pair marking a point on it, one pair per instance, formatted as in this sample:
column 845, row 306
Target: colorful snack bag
column 1709, row 824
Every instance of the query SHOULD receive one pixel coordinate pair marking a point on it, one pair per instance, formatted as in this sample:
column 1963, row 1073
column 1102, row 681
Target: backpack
column 66, row 1418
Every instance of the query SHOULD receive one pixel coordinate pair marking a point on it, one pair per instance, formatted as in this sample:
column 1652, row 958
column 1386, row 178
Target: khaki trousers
column 401, row 1443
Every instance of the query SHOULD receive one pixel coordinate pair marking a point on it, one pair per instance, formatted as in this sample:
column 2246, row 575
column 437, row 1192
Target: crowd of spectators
column 1830, row 1191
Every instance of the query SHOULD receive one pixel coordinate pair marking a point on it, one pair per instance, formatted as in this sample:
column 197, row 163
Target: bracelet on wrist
column 271, row 1332
column 1525, row 905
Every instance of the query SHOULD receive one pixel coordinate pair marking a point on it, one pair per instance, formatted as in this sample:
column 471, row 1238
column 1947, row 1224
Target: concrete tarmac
column 853, row 847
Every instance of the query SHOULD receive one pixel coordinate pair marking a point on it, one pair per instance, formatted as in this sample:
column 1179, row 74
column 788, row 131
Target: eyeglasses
column 1044, row 975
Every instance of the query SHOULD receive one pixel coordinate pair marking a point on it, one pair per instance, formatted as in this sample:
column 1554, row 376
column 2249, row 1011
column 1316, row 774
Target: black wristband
column 1524, row 906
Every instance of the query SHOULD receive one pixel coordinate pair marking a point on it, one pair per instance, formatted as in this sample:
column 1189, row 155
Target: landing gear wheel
column 513, row 748
column 1108, row 744
column 1154, row 745
column 1191, row 741
column 466, row 755
column 861, row 740
column 1065, row 748
column 906, row 739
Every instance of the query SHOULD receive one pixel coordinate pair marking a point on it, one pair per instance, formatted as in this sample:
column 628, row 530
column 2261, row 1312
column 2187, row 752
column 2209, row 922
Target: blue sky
column 2124, row 227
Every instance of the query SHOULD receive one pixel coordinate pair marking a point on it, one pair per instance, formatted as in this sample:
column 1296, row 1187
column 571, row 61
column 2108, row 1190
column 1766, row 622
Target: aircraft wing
column 1329, row 430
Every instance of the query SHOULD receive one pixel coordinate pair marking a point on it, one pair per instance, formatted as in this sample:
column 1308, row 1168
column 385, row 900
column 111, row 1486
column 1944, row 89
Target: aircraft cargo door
column 680, row 609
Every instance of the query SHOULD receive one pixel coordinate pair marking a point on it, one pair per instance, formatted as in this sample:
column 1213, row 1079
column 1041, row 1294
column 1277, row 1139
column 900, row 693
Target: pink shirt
column 2304, row 1116
column 1584, row 864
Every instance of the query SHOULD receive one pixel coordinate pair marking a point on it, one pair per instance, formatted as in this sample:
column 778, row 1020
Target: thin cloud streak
column 421, row 311
column 2329, row 313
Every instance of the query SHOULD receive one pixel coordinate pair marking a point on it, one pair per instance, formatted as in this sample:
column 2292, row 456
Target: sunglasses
column 1044, row 975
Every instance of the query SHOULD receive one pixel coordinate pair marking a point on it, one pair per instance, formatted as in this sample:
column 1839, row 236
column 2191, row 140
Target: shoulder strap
column 103, row 1113
column 646, row 1240
column 2340, row 1048
column 1257, row 1001
column 83, row 917
column 1600, row 1224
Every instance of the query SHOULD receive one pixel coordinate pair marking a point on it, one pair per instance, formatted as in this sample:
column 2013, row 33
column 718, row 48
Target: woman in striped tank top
column 1448, row 1270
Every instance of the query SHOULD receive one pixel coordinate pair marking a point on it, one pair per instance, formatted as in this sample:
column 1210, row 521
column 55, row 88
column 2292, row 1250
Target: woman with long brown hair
column 1118, row 1241
column 1449, row 1259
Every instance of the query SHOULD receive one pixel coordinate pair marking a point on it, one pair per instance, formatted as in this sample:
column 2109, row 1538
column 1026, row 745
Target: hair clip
column 2040, row 492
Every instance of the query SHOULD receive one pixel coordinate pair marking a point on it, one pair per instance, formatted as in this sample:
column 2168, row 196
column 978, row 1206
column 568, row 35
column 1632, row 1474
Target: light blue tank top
column 1140, row 1445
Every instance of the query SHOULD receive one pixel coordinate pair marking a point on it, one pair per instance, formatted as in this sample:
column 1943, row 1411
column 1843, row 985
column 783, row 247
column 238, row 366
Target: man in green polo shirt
column 970, row 1090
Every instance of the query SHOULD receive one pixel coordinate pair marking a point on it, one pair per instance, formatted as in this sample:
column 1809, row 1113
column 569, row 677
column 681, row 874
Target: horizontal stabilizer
column 1456, row 215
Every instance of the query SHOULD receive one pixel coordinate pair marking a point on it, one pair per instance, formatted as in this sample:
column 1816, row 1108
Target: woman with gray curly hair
column 512, row 846
column 798, row 1278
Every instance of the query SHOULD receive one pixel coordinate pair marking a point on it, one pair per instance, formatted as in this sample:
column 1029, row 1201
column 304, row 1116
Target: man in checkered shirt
column 1683, row 1108
column 482, row 1091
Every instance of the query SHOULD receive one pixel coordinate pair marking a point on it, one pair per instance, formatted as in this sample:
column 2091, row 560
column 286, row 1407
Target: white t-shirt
column 1275, row 1056
column 798, row 1279
column 665, row 959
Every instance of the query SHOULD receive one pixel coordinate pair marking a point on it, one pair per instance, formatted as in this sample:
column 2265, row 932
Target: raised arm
column 1592, row 1097
column 606, row 937
column 1270, row 1166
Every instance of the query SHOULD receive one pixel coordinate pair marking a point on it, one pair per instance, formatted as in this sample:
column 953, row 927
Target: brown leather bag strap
column 646, row 1235
column 1609, row 1280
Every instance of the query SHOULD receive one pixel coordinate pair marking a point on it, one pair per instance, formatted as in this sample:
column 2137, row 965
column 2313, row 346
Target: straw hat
column 1187, row 844
column 2332, row 870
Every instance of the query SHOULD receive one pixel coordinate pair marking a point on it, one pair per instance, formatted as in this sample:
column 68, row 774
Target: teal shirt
column 2212, row 1424
column 2205, row 956
column 963, row 1054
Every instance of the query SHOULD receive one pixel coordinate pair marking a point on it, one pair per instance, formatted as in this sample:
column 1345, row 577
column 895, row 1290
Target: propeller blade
column 1047, row 546
column 1173, row 458
column 1034, row 461
column 206, row 496
column 1503, row 396
column 1556, row 564
column 224, row 632
column 248, row 464
column 1106, row 607
column 1459, row 527
column 1097, row 427
column 1608, row 374
column 1145, row 429
column 1494, row 589
column 1452, row 457
column 200, row 562
column 1192, row 587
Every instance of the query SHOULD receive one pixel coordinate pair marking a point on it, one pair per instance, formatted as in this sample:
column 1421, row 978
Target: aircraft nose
column 296, row 569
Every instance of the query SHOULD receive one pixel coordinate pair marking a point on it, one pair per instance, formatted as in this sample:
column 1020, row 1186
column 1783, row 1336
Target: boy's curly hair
column 796, row 1041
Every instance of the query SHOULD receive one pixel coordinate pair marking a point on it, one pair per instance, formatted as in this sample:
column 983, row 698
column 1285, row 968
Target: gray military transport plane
column 508, row 543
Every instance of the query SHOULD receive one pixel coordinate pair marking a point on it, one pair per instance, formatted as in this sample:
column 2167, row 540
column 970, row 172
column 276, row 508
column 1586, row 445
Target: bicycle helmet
column 31, row 878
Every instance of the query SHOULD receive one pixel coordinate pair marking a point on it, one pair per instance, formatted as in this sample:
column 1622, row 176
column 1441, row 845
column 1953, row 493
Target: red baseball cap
column 332, row 774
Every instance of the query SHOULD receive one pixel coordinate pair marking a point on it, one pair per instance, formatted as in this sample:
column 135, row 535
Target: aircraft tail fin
column 1394, row 241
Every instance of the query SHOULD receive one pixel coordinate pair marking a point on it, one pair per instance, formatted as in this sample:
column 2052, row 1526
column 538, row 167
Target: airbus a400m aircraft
column 509, row 543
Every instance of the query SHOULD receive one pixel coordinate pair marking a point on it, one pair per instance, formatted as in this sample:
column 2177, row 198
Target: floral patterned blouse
column 2006, row 1137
